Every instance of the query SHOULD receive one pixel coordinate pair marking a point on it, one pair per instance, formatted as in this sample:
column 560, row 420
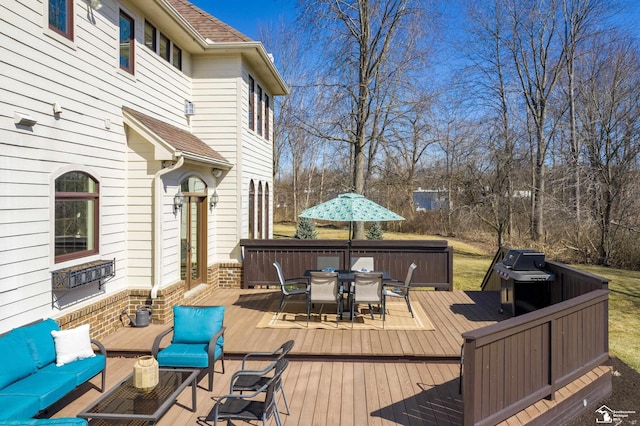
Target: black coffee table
column 124, row 402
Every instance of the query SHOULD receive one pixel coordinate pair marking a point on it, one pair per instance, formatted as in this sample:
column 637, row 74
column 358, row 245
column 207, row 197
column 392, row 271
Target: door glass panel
column 195, row 241
column 184, row 243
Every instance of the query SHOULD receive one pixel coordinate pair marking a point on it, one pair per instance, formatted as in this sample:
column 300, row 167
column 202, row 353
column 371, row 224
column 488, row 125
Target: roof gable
column 181, row 141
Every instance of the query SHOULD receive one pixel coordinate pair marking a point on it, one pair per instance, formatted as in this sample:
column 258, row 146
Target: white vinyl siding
column 85, row 82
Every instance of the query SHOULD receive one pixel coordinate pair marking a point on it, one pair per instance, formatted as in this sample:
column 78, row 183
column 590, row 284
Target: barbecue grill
column 524, row 286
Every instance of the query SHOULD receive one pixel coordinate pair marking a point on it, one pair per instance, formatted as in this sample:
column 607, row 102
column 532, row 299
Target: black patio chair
column 290, row 286
column 397, row 288
column 236, row 406
column 251, row 383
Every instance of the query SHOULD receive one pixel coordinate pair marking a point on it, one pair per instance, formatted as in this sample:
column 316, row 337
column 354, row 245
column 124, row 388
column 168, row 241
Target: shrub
column 306, row 229
column 375, row 232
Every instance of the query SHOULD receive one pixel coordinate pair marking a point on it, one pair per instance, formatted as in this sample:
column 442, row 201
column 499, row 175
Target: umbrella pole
column 348, row 265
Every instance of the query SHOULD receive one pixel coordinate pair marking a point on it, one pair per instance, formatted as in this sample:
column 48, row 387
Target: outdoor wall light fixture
column 216, row 172
column 23, row 119
column 213, row 200
column 189, row 108
column 178, row 200
column 95, row 4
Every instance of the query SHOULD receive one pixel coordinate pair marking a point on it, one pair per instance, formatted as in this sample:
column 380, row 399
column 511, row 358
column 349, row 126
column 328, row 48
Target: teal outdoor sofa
column 30, row 380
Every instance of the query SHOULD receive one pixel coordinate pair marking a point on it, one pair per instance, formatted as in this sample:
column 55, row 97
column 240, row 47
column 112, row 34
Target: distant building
column 430, row 199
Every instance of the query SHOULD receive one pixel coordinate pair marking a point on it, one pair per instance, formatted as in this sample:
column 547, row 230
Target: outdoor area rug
column 294, row 315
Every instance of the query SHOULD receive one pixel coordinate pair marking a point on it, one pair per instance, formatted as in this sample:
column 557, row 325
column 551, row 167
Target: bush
column 306, row 229
column 375, row 232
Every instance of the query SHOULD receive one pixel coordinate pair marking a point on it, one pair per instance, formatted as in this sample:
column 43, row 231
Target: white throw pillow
column 72, row 345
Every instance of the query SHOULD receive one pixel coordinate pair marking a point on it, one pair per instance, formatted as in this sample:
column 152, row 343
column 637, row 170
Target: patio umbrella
column 350, row 207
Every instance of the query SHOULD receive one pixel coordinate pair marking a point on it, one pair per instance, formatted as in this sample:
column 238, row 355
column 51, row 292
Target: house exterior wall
column 215, row 92
column 40, row 68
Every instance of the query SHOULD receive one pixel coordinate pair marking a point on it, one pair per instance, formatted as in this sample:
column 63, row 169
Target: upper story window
column 267, row 107
column 251, row 105
column 176, row 58
column 162, row 45
column 127, row 42
column 259, row 124
column 76, row 216
column 61, row 17
column 165, row 47
column 150, row 36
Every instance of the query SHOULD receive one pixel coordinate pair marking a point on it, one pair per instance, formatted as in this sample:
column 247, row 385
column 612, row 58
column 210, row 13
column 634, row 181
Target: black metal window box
column 77, row 276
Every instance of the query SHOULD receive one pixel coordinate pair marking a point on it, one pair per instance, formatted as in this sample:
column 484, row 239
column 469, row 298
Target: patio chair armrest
column 244, row 395
column 256, row 373
column 249, row 355
column 156, row 342
column 212, row 344
column 395, row 284
column 296, row 281
column 100, row 346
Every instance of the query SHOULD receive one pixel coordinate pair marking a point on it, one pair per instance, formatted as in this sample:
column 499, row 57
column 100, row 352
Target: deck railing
column 512, row 364
column 433, row 257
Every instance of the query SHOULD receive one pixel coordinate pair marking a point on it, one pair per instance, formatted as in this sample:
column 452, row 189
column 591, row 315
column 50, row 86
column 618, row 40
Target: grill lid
column 523, row 260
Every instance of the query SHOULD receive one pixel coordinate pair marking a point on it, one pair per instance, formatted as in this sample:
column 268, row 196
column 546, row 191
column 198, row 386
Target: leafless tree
column 580, row 24
column 369, row 47
column 538, row 58
column 609, row 124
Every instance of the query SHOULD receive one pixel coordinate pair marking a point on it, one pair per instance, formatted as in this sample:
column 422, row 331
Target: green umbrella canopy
column 350, row 208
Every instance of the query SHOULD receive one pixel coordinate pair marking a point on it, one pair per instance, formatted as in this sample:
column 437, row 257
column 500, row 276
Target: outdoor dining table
column 347, row 277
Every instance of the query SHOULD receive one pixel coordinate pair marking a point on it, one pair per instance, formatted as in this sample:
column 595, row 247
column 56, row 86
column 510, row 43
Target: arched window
column 76, row 216
column 267, row 205
column 260, row 208
column 252, row 199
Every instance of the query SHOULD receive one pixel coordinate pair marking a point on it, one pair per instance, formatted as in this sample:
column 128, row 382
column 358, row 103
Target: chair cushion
column 39, row 341
column 186, row 355
column 18, row 407
column 72, row 345
column 197, row 324
column 15, row 359
column 82, row 370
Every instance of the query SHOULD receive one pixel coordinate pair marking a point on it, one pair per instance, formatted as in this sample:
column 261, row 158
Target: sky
column 248, row 15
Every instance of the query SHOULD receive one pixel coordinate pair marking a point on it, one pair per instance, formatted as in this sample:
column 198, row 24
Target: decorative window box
column 87, row 273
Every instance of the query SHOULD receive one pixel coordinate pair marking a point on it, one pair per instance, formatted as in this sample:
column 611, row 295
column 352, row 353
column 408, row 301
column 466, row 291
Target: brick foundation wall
column 229, row 274
column 105, row 316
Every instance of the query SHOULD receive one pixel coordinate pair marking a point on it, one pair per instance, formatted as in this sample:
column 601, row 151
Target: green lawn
column 471, row 263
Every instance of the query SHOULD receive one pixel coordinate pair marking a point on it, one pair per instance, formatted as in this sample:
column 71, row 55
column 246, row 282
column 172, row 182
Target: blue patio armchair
column 198, row 339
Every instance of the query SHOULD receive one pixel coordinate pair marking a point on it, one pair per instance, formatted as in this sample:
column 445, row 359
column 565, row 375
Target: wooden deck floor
column 451, row 313
column 345, row 377
column 337, row 377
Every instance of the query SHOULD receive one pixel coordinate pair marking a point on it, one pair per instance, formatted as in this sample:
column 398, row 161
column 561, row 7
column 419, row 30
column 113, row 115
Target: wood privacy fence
column 433, row 257
column 512, row 364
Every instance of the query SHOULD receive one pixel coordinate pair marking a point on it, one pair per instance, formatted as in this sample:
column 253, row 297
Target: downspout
column 157, row 224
